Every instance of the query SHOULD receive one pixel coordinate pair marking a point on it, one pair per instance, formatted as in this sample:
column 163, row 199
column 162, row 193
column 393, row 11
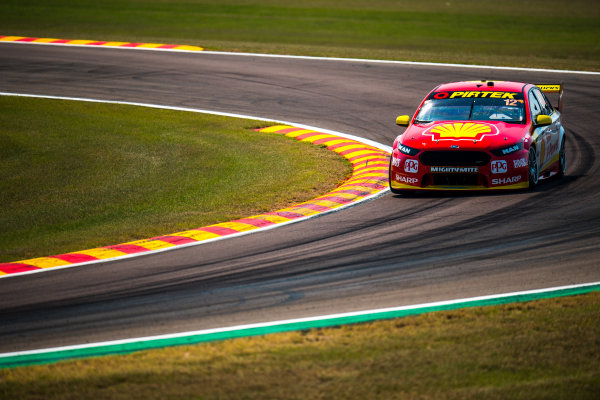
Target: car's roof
column 499, row 86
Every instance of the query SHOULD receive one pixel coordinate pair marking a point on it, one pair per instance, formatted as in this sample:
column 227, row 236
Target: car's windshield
column 474, row 106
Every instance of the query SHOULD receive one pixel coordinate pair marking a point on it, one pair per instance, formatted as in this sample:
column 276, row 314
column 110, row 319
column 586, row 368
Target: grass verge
column 536, row 350
column 537, row 33
column 79, row 175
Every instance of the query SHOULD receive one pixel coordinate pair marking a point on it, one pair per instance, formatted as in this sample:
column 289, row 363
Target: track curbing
column 98, row 43
column 368, row 180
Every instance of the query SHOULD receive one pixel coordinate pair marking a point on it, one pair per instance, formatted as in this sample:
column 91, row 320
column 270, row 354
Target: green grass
column 545, row 349
column 78, row 175
column 536, row 33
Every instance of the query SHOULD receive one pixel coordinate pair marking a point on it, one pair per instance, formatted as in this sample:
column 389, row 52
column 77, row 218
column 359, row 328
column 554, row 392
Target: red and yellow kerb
column 21, row 39
column 370, row 176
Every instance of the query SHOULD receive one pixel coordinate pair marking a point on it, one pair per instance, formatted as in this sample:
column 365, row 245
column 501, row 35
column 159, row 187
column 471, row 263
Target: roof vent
column 490, row 83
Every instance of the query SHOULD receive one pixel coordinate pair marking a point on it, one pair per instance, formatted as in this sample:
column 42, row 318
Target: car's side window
column 534, row 106
column 544, row 104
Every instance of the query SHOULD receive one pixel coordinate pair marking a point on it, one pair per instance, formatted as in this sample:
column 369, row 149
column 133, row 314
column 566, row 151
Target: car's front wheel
column 534, row 172
column 562, row 159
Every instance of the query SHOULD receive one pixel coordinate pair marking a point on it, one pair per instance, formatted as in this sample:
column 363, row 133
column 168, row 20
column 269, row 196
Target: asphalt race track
column 392, row 251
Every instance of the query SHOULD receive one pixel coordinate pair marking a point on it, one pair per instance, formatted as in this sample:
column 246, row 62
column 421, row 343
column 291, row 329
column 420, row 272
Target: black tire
column 533, row 170
column 403, row 192
column 390, row 176
column 562, row 159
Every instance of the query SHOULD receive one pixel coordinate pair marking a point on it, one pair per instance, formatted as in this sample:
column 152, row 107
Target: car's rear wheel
column 562, row 159
column 534, row 172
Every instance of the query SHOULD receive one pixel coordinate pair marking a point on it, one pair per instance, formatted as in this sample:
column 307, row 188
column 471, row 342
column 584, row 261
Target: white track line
column 361, row 60
column 297, row 320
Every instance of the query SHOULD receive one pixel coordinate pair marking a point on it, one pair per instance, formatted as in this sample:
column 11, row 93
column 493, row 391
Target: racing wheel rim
column 562, row 159
column 533, row 168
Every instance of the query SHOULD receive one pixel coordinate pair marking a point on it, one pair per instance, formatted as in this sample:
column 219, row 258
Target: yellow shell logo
column 461, row 131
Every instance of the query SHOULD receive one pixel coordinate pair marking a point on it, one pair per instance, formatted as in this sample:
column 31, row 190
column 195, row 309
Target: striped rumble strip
column 21, row 39
column 370, row 176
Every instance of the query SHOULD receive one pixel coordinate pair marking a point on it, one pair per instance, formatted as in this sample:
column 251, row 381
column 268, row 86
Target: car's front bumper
column 506, row 173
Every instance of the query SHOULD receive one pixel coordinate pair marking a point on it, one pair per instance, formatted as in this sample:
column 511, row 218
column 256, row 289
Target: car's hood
column 467, row 135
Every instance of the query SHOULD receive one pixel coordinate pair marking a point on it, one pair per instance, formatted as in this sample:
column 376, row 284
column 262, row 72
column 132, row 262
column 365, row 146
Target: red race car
column 481, row 135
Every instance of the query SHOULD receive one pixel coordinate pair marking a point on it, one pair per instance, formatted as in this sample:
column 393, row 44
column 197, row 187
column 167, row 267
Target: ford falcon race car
column 480, row 135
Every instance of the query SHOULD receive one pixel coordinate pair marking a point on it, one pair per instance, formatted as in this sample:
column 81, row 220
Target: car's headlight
column 508, row 150
column 406, row 150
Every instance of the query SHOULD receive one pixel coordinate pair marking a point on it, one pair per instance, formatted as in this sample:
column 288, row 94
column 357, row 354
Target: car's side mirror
column 403, row 120
column 543, row 120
